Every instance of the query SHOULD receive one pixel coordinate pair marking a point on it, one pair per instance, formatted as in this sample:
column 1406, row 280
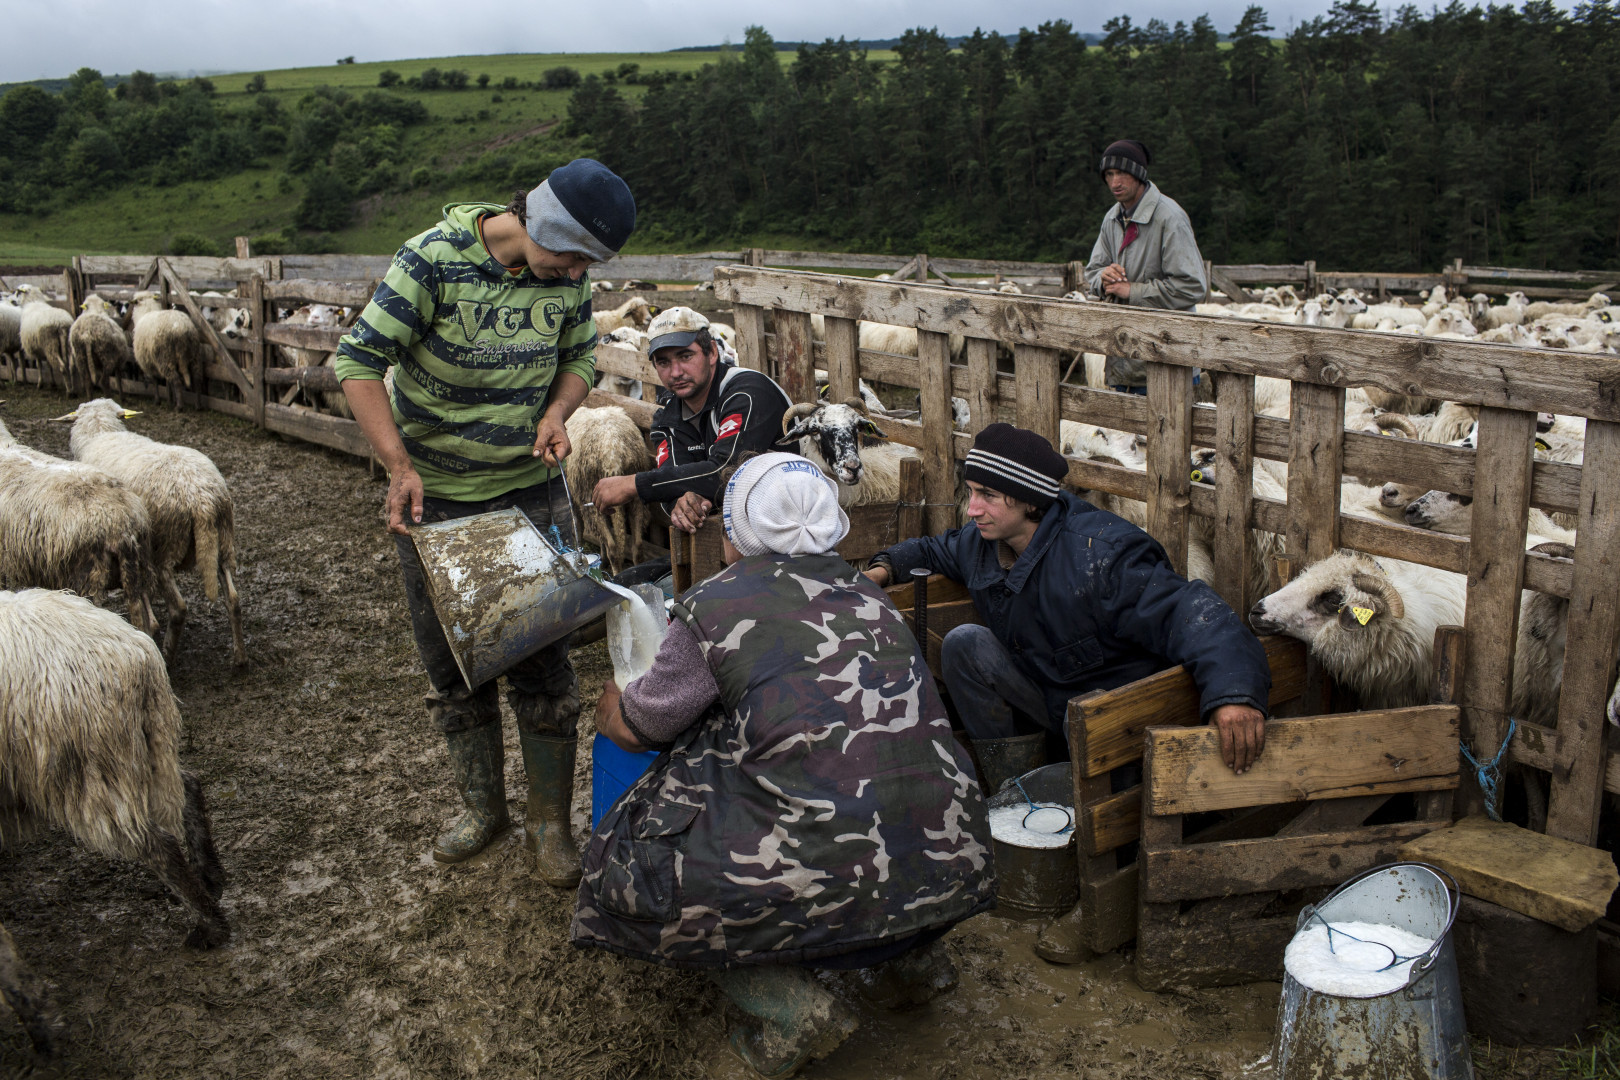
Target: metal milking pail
column 1416, row 1030
column 1036, row 883
column 501, row 591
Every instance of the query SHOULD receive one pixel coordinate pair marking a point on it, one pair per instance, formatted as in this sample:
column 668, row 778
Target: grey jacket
column 1162, row 264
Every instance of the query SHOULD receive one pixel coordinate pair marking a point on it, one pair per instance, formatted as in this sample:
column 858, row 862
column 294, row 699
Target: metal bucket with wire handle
column 1037, row 882
column 1414, row 1027
column 503, row 591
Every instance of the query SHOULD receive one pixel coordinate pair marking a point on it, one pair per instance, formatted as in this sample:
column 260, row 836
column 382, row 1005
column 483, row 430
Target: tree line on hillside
column 1489, row 134
column 57, row 149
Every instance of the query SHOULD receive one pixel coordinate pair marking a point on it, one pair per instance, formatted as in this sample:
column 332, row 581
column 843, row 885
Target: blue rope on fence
column 1490, row 774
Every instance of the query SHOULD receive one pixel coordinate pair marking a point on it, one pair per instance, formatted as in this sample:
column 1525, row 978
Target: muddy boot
column 1002, row 759
column 913, row 978
column 794, row 1018
column 547, row 830
column 479, row 763
column 1064, row 941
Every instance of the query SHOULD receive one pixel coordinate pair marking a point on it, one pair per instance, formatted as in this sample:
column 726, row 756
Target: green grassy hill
column 464, row 124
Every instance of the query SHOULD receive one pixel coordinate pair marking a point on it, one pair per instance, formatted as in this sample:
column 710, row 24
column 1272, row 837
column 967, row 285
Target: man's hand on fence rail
column 1243, row 735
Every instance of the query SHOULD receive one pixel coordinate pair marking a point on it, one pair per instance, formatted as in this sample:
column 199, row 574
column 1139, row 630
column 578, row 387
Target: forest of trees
column 1489, row 134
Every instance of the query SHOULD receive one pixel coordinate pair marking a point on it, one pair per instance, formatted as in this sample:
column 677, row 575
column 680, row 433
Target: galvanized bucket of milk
column 1370, row 982
column 1032, row 834
column 502, row 592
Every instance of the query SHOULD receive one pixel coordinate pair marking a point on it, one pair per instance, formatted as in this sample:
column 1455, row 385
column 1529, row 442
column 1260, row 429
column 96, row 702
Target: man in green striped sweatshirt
column 485, row 322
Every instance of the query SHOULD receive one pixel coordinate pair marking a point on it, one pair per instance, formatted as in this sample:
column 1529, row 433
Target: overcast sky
column 53, row 39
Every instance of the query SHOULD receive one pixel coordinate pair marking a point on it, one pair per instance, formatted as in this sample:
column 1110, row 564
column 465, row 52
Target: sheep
column 840, row 439
column 634, row 312
column 1448, row 322
column 97, row 344
column 606, row 442
column 64, row 525
column 1377, row 314
column 90, row 741
column 44, row 334
column 190, row 507
column 1444, row 512
column 1544, row 308
column 10, row 335
column 626, row 337
column 166, row 346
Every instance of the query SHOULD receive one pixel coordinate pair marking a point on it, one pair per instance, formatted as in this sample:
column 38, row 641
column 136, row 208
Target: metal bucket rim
column 1426, row 960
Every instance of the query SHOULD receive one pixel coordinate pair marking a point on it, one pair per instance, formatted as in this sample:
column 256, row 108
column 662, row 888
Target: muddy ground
column 356, row 956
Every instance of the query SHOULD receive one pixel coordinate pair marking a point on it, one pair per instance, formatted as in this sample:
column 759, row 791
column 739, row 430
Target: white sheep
column 11, row 336
column 97, row 344
column 1545, row 308
column 193, row 517
column 90, row 744
column 44, row 332
column 166, row 345
column 606, row 442
column 636, row 312
column 64, row 525
column 845, row 444
column 1448, row 322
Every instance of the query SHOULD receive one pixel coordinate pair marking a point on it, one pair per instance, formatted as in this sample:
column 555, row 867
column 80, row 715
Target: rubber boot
column 913, row 978
column 794, row 1018
column 549, row 764
column 1002, row 759
column 478, row 761
column 1064, row 941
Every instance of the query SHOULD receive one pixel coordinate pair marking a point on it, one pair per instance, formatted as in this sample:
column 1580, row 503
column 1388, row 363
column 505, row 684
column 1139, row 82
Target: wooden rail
column 1510, row 384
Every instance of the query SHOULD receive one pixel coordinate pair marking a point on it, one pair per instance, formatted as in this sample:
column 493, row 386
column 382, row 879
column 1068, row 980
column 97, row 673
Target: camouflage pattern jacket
column 820, row 807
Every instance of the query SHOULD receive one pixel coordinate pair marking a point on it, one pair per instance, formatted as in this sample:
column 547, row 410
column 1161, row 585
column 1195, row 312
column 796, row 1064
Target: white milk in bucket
column 635, row 629
column 1353, row 959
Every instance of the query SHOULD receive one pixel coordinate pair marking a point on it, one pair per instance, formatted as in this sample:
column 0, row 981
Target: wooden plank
column 1530, row 379
column 1589, row 658
column 1108, row 903
column 1234, row 490
column 623, row 360
column 1106, row 408
column 1555, row 880
column 1208, row 945
column 1315, row 464
column 843, row 362
column 1315, row 757
column 939, row 459
column 1106, row 728
column 193, row 267
column 1169, row 402
column 336, row 432
column 1511, row 273
column 1232, row 867
column 1332, row 815
column 909, row 519
column 1223, row 281
column 1111, row 823
column 796, row 372
column 315, row 377
column 315, row 338
column 1039, row 405
column 941, row 590
column 258, row 317
column 1261, row 274
column 749, row 319
column 982, row 390
column 1495, row 578
column 312, row 291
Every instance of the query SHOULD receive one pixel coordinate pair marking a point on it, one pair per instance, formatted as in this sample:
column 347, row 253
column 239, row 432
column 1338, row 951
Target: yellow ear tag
column 1543, row 444
column 1362, row 614
column 1197, row 476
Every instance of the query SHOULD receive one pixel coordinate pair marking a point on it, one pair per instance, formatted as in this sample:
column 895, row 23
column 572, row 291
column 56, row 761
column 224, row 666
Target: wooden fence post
column 1169, row 469
column 1039, row 401
column 922, row 267
column 244, row 248
column 796, row 364
column 843, row 359
column 1315, row 468
column 1234, row 489
column 750, row 322
column 259, row 315
column 1310, row 279
column 939, row 457
column 1594, row 621
column 1074, row 277
column 983, row 385
column 1495, row 577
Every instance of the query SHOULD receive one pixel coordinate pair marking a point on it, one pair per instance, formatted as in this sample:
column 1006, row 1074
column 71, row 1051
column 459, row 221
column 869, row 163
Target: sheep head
column 837, row 429
column 1343, row 594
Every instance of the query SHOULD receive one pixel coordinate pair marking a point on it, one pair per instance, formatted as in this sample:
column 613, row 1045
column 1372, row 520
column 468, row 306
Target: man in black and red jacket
column 711, row 413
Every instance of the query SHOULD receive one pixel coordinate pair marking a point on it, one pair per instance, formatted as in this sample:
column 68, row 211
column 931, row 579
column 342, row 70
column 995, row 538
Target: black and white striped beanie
column 1128, row 156
column 1018, row 463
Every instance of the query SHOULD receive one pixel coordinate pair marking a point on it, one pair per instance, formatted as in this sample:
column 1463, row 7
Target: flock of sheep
column 91, row 736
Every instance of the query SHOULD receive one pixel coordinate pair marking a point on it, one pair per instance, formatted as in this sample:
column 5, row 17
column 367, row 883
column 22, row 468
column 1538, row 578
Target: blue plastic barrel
column 612, row 772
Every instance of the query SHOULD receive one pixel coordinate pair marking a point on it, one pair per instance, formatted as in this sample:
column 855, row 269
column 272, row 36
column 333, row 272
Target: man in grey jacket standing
column 1145, row 254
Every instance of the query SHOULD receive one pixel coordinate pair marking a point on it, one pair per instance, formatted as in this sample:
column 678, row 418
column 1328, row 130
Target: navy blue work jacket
column 1093, row 603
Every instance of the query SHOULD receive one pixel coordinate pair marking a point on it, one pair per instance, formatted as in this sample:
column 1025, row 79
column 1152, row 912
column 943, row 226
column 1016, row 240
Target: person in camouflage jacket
column 811, row 806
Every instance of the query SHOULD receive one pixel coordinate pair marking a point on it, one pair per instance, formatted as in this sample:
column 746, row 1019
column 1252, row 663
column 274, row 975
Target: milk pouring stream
column 635, row 629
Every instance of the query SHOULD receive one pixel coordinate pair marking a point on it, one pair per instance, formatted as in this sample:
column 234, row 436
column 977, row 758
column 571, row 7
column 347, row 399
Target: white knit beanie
column 782, row 504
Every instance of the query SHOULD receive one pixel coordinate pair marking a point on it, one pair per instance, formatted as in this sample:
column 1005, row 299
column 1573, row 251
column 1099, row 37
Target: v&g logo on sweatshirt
column 475, row 316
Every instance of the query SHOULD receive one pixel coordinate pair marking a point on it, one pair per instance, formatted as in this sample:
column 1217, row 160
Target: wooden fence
column 1233, row 280
column 1511, row 385
column 772, row 310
